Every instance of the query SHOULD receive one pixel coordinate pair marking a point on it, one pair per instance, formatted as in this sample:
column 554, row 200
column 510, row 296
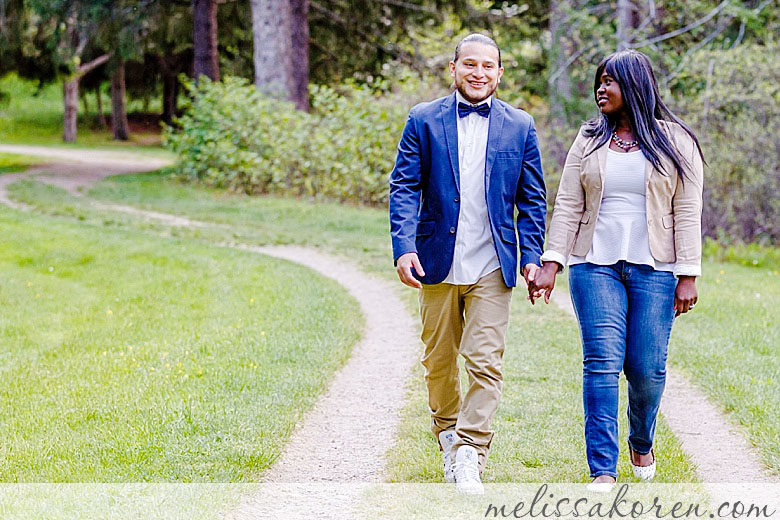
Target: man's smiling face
column 476, row 73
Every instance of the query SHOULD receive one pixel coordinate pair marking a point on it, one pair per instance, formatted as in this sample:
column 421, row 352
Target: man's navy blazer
column 425, row 188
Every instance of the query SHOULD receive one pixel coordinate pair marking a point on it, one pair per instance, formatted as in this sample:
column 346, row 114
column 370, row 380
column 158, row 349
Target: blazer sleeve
column 569, row 206
column 531, row 202
column 687, row 208
column 405, row 190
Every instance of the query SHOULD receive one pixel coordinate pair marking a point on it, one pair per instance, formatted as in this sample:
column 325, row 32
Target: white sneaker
column 447, row 439
column 467, row 479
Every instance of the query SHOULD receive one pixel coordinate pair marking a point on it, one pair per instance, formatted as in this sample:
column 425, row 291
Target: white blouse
column 621, row 228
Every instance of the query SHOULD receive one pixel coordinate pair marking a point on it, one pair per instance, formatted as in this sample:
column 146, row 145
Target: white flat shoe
column 601, row 487
column 643, row 472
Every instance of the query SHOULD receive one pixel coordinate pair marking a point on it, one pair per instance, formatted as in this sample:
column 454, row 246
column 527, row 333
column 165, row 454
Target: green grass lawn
column 730, row 345
column 11, row 162
column 539, row 424
column 131, row 357
column 731, row 323
column 546, row 364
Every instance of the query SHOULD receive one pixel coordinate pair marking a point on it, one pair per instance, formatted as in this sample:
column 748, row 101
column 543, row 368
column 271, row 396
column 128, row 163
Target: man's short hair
column 479, row 38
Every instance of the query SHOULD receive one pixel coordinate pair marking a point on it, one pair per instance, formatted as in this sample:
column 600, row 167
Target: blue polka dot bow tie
column 464, row 109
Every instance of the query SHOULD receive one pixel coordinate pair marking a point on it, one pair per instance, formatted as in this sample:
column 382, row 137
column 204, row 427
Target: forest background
column 308, row 97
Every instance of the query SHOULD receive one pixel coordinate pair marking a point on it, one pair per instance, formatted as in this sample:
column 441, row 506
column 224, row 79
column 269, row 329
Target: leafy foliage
column 732, row 99
column 232, row 136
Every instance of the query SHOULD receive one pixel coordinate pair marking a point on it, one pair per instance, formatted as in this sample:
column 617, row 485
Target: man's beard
column 462, row 90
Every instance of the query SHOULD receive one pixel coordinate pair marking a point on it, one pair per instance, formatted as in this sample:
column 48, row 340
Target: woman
column 627, row 221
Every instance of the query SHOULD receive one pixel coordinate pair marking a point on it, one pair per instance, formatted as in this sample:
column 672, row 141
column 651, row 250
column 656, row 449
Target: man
column 464, row 163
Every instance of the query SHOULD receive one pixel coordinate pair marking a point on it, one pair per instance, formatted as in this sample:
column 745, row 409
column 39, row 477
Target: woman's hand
column 543, row 283
column 685, row 295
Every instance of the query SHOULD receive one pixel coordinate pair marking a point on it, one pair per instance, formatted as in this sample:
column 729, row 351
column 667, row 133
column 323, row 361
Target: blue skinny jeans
column 625, row 312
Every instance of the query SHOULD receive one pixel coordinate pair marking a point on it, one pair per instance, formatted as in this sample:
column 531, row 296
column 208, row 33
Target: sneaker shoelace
column 469, row 471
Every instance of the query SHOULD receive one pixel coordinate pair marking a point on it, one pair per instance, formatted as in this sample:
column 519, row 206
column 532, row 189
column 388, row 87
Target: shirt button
column 457, row 199
column 452, row 230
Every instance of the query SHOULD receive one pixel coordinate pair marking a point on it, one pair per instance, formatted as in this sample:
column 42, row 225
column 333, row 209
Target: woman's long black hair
column 643, row 104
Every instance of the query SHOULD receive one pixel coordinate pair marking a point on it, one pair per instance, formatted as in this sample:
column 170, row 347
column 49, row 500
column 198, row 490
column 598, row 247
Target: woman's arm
column 687, row 207
column 569, row 205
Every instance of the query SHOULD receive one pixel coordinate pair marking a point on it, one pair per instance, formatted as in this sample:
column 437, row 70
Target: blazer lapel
column 449, row 117
column 495, row 127
column 648, row 172
column 601, row 154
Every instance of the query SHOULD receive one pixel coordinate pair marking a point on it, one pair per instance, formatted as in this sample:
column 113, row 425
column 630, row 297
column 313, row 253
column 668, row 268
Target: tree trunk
column 71, row 99
column 204, row 16
column 101, row 115
column 119, row 125
column 559, row 82
column 273, row 56
column 300, row 53
column 625, row 22
column 169, row 97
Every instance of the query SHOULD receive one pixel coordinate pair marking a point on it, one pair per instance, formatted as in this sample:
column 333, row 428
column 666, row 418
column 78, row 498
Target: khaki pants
column 470, row 320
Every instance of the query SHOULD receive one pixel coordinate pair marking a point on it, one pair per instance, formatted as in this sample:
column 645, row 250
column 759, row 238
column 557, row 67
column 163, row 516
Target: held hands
column 685, row 296
column 403, row 267
column 541, row 282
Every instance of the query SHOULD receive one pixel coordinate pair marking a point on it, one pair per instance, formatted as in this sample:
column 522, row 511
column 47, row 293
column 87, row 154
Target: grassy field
column 546, row 364
column 129, row 357
column 732, row 322
column 704, row 344
column 10, row 162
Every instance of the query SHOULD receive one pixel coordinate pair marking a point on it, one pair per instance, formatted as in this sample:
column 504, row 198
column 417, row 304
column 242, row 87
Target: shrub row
column 232, row 136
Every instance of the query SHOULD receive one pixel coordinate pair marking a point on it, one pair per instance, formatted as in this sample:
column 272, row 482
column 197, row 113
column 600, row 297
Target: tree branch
column 709, row 16
column 650, row 15
column 411, row 6
column 714, row 34
column 90, row 66
column 554, row 76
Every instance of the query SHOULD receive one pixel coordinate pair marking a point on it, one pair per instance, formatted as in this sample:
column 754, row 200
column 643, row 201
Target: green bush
column 731, row 98
column 233, row 136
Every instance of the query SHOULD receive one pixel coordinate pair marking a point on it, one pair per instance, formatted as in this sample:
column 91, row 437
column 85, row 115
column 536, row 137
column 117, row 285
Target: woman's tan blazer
column 673, row 206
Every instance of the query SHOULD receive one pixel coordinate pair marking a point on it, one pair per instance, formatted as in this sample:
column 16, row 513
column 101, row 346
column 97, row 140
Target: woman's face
column 609, row 98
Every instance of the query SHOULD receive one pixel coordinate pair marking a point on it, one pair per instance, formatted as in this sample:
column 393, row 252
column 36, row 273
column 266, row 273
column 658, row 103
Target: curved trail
column 344, row 438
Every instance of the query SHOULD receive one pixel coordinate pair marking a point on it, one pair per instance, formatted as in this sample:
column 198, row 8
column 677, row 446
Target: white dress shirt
column 475, row 255
column 621, row 229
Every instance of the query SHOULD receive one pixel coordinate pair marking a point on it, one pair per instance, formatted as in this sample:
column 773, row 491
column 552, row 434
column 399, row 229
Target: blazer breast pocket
column 509, row 154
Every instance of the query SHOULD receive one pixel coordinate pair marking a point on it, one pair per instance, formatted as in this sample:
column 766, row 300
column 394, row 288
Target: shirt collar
column 460, row 99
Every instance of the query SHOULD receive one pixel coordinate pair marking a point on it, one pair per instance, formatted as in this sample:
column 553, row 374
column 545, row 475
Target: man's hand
column 403, row 267
column 685, row 296
column 544, row 282
column 529, row 273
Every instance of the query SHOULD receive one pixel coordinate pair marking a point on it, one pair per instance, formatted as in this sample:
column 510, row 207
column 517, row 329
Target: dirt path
column 344, row 438
column 716, row 446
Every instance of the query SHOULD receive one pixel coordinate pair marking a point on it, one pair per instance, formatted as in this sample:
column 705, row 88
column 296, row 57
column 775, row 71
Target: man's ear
column 452, row 69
